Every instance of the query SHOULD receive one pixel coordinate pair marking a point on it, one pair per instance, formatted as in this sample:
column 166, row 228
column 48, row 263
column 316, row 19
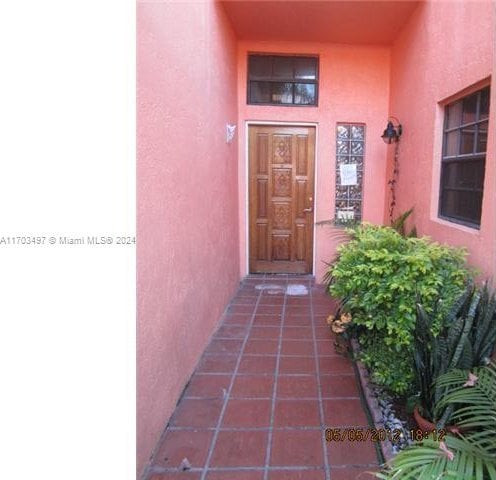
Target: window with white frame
column 464, row 158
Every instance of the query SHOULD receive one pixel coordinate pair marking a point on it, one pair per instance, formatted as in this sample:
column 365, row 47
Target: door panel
column 281, row 171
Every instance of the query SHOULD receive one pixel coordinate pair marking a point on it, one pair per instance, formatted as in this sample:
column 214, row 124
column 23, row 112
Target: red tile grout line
column 263, row 429
column 248, row 374
column 156, row 470
column 292, row 399
column 232, row 354
column 286, row 399
column 319, row 391
column 228, row 393
column 277, row 468
column 274, row 392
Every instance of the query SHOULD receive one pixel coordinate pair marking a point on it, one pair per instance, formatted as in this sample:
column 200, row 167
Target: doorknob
column 308, row 210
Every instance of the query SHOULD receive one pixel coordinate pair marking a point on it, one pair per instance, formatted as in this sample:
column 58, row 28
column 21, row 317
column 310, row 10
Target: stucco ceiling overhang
column 348, row 22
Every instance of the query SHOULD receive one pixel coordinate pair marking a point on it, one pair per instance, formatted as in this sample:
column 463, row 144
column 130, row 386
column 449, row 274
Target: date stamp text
column 393, row 435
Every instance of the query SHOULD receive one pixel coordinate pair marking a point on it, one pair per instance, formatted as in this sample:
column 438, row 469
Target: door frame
column 249, row 123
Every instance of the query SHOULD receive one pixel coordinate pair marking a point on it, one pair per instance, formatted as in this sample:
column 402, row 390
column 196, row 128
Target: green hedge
column 379, row 275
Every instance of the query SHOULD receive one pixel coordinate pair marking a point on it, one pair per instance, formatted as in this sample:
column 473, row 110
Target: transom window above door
column 282, row 80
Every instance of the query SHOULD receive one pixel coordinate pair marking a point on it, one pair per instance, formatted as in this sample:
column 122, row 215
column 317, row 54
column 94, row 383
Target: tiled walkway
column 265, row 390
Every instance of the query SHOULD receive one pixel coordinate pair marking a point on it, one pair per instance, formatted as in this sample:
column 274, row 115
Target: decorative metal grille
column 350, row 153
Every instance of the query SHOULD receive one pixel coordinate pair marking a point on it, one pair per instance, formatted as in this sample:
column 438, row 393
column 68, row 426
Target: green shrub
column 379, row 275
column 379, row 357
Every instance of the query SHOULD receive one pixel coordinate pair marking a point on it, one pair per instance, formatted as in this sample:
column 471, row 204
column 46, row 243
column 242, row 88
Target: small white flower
column 446, row 451
column 471, row 380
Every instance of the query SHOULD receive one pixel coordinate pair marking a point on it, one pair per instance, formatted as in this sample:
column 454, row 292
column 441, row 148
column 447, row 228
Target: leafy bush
column 388, row 367
column 378, row 275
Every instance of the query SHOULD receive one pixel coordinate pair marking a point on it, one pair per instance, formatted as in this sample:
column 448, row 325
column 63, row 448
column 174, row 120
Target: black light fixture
column 392, row 132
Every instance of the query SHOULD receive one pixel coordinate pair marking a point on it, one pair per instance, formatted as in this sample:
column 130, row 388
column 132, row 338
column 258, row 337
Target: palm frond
column 399, row 223
column 474, row 406
column 474, row 450
column 426, row 460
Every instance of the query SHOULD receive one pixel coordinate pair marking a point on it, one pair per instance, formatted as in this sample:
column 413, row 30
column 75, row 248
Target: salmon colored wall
column 353, row 87
column 187, row 256
column 444, row 48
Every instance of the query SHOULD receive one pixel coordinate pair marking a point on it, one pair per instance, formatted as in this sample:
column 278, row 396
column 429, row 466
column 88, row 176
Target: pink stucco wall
column 192, row 186
column 187, row 254
column 446, row 47
column 353, row 87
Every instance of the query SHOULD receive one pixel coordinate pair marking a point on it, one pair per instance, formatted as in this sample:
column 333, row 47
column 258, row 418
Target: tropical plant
column 453, row 459
column 483, row 333
column 467, row 456
column 466, row 339
column 399, row 224
column 473, row 398
column 377, row 276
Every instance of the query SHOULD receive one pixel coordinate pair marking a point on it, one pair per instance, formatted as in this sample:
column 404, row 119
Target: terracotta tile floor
column 267, row 387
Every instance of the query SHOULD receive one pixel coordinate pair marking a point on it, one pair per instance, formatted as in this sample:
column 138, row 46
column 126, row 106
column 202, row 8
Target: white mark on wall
column 230, row 131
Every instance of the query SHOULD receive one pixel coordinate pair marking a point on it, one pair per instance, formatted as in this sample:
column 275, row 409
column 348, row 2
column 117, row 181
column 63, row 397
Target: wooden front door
column 281, row 169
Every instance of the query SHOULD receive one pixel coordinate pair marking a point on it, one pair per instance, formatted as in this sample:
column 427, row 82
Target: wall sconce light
column 392, row 132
